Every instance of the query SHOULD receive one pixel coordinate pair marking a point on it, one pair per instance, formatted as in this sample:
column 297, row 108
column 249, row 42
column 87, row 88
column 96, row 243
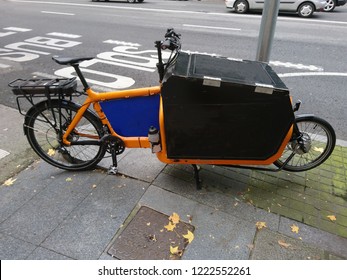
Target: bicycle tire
column 319, row 138
column 42, row 128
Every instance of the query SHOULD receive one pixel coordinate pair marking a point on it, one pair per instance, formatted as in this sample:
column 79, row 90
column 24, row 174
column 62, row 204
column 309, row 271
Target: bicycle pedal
column 112, row 170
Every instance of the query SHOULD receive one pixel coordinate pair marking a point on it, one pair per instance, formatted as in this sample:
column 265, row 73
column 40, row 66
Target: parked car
column 304, row 8
column 331, row 4
column 129, row 1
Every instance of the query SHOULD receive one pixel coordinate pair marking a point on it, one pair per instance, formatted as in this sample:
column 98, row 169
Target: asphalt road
column 309, row 54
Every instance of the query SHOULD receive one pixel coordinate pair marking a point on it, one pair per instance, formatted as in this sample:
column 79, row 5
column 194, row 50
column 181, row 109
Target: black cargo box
column 217, row 108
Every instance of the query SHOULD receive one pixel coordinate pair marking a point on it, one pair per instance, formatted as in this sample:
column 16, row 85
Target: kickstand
column 196, row 176
column 113, row 169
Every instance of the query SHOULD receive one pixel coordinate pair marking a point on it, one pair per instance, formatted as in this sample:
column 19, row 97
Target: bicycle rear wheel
column 44, row 127
column 317, row 139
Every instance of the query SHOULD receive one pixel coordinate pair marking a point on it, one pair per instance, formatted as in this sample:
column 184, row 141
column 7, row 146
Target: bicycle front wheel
column 44, row 126
column 315, row 143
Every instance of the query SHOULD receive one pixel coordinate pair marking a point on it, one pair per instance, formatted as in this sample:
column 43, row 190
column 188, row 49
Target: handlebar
column 171, row 42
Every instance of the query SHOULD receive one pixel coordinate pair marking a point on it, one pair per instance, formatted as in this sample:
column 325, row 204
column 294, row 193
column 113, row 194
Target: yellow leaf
column 260, row 225
column 331, row 217
column 173, row 250
column 174, row 218
column 170, row 226
column 283, row 244
column 321, row 150
column 295, row 228
column 68, row 179
column 51, row 152
column 9, row 182
column 189, row 236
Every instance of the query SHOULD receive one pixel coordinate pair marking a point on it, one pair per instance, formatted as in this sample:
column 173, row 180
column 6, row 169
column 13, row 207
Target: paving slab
column 13, row 248
column 39, row 216
column 269, row 245
column 315, row 237
column 90, row 227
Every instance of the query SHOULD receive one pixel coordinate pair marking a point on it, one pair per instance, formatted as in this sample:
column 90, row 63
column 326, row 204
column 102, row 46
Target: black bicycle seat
column 70, row 60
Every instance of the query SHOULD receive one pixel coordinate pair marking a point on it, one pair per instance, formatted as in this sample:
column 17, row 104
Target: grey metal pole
column 267, row 29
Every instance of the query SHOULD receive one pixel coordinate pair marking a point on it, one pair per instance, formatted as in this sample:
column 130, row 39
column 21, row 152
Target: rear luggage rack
column 43, row 86
column 36, row 90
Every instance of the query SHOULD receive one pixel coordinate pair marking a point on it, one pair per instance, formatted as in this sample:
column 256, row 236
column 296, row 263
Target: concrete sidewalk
column 47, row 213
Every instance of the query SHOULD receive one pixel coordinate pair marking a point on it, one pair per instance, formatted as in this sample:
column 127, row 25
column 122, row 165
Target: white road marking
column 211, row 27
column 57, row 13
column 297, row 66
column 122, row 43
column 299, row 74
column 3, row 66
column 65, row 35
column 3, row 153
column 17, row 29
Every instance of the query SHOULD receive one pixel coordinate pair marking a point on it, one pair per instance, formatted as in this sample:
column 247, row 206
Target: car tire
column 330, row 6
column 241, row 6
column 306, row 10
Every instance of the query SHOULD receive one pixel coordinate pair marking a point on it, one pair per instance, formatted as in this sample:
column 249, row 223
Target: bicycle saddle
column 70, row 60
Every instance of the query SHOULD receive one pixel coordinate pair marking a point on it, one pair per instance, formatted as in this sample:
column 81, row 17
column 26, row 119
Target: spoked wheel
column 329, row 6
column 314, row 144
column 42, row 128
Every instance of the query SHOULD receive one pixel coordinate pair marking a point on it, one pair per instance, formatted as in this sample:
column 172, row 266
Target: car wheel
column 241, row 6
column 306, row 10
column 330, row 6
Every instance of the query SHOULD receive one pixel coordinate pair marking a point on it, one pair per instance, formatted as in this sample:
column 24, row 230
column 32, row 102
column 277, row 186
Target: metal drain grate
column 145, row 238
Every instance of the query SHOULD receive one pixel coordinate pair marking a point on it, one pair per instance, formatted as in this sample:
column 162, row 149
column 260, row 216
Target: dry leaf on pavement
column 331, row 217
column 283, row 244
column 51, row 152
column 295, row 228
column 189, row 236
column 174, row 218
column 170, row 226
column 175, row 251
column 260, row 225
column 9, row 182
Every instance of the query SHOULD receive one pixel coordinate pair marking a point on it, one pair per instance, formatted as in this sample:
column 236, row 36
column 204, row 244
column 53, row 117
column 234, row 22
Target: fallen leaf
column 170, row 226
column 174, row 218
column 9, row 182
column 260, row 225
column 331, row 217
column 68, row 179
column 295, row 228
column 175, row 251
column 51, row 152
column 283, row 244
column 189, row 236
column 148, row 224
column 321, row 150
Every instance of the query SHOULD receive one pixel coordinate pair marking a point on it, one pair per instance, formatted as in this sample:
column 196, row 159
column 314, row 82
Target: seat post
column 80, row 75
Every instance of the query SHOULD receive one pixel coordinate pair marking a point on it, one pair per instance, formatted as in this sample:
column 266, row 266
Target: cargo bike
column 206, row 110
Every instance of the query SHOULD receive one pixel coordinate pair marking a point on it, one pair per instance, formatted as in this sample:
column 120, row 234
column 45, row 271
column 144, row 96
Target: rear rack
column 36, row 90
column 43, row 86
